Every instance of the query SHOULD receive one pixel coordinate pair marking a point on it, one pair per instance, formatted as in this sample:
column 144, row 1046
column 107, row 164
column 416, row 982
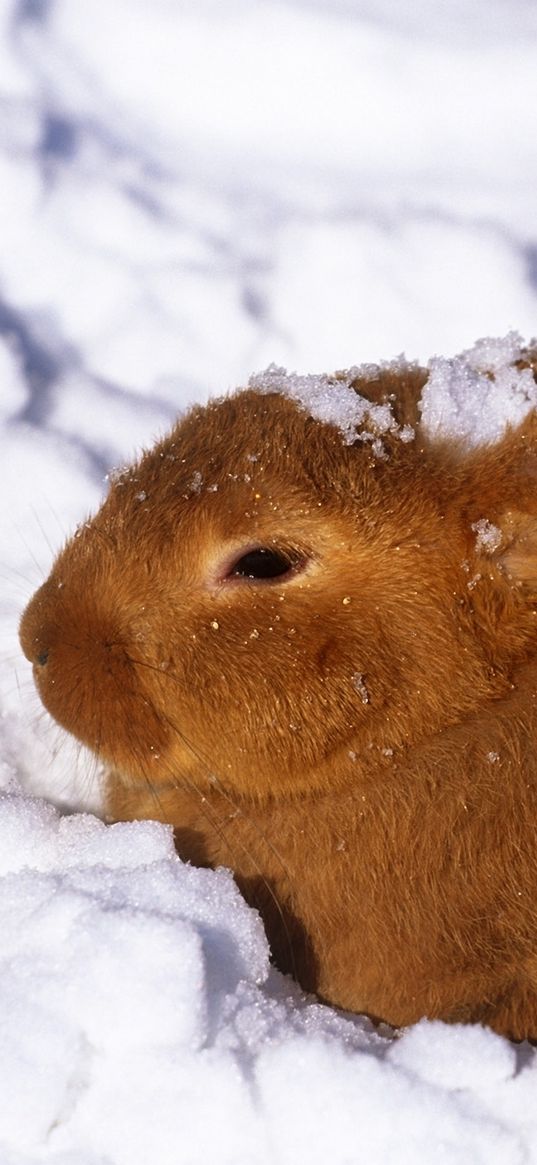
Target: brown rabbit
column 316, row 658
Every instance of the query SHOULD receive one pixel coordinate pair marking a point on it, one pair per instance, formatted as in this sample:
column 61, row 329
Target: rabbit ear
column 498, row 492
column 517, row 555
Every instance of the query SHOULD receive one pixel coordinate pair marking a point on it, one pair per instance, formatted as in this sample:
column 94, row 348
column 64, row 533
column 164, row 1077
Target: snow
column 489, row 536
column 333, row 400
column 471, row 397
column 192, row 190
column 140, row 1019
column 475, row 395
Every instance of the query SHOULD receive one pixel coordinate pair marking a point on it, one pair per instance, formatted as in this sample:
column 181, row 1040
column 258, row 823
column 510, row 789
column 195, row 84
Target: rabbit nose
column 35, row 651
column 38, row 631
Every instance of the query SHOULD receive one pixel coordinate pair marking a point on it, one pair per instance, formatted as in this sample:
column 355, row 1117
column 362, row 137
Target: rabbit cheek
column 256, row 701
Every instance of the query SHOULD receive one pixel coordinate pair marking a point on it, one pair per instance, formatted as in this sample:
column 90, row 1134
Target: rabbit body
column 354, row 734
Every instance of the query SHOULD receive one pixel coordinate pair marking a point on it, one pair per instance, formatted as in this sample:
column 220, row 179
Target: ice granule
column 474, row 396
column 361, row 687
column 488, row 538
column 333, row 400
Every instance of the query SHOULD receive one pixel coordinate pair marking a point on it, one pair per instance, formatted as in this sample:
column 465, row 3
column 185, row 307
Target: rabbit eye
column 261, row 563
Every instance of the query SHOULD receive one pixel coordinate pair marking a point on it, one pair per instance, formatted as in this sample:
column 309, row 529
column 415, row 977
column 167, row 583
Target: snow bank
column 140, row 1021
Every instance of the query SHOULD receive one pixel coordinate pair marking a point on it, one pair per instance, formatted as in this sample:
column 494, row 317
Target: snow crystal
column 196, row 483
column 475, row 395
column 361, row 687
column 489, row 537
column 333, row 400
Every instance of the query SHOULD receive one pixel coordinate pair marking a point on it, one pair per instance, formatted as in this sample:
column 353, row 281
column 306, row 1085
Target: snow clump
column 488, row 536
column 471, row 397
column 474, row 396
column 333, row 400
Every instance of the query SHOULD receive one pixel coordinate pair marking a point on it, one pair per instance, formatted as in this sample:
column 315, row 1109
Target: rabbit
column 315, row 656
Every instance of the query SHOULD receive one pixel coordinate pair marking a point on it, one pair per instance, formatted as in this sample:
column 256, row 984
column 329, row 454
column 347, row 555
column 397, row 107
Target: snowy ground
column 191, row 189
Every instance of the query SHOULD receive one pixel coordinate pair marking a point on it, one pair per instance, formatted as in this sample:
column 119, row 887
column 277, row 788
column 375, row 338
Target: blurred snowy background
column 189, row 190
